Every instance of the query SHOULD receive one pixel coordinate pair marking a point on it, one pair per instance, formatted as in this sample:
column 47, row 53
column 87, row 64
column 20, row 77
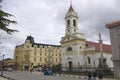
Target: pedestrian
column 100, row 76
column 31, row 70
column 94, row 76
column 89, row 76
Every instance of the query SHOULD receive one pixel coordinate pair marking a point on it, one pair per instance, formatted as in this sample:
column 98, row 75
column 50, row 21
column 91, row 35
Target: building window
column 27, row 47
column 68, row 22
column 68, row 38
column 52, row 54
column 118, row 32
column 56, row 54
column 89, row 60
column 37, row 46
column 40, row 59
column 16, row 57
column 52, row 59
column 69, row 49
column 40, row 53
column 68, row 30
column 74, row 22
column 34, row 59
column 45, row 54
column 74, row 30
column 45, row 59
column 56, row 60
column 86, row 45
column 35, row 51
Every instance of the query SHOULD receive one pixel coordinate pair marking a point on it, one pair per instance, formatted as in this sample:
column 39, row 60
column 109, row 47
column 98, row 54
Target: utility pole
column 2, row 65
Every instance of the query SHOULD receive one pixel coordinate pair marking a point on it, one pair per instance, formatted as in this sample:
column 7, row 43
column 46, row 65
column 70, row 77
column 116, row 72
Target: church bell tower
column 71, row 20
column 73, row 42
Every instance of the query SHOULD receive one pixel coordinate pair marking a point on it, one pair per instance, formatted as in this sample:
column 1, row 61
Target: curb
column 72, row 76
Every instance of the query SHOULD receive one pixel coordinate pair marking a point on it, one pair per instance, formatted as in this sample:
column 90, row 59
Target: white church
column 76, row 51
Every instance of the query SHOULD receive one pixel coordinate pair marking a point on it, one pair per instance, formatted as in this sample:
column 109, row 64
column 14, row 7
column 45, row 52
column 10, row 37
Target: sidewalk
column 73, row 76
column 1, row 78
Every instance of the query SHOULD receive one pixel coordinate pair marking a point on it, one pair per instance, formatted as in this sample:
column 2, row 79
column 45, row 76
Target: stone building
column 31, row 54
column 7, row 63
column 76, row 50
column 114, row 29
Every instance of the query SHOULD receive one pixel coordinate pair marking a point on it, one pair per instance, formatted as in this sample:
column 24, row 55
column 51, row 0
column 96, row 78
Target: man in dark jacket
column 89, row 76
column 94, row 76
column 100, row 76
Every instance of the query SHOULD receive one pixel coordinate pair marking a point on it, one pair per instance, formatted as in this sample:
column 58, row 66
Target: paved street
column 36, row 76
column 33, row 76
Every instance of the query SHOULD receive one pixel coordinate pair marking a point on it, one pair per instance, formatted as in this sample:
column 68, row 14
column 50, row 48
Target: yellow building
column 31, row 55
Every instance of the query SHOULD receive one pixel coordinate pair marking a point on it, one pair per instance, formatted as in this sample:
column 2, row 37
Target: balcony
column 69, row 53
column 90, row 48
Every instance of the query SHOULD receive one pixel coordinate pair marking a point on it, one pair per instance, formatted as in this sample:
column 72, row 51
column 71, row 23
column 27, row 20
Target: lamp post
column 2, row 65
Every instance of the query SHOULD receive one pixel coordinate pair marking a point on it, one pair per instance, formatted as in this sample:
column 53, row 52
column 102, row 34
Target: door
column 70, row 66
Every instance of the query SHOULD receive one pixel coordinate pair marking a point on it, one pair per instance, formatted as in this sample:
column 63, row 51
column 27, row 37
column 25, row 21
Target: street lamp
column 2, row 65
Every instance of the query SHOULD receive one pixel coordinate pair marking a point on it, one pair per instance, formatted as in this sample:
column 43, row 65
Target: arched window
column 68, row 22
column 89, row 60
column 69, row 49
column 74, row 22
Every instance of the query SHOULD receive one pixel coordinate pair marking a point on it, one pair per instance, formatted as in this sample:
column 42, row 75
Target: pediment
column 70, row 38
column 67, row 38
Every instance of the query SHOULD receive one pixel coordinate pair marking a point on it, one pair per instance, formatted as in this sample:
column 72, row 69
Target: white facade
column 74, row 50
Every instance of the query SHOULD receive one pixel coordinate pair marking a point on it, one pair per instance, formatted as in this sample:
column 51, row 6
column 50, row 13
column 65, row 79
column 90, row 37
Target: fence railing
column 81, row 70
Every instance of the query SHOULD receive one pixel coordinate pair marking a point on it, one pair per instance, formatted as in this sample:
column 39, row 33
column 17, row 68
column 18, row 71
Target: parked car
column 48, row 72
column 9, row 69
column 39, row 69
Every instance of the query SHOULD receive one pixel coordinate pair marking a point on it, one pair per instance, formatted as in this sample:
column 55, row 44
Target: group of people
column 92, row 76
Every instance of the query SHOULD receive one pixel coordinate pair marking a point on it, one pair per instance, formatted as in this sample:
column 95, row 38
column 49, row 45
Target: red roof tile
column 113, row 24
column 106, row 47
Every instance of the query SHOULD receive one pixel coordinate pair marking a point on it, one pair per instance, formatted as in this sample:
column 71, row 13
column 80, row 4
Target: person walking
column 31, row 70
column 89, row 76
column 100, row 76
column 94, row 76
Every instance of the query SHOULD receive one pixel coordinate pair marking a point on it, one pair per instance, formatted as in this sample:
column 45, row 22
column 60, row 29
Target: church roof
column 30, row 38
column 113, row 24
column 106, row 47
column 46, row 44
column 71, row 8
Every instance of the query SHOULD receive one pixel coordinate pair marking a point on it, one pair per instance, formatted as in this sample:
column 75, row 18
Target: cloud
column 44, row 20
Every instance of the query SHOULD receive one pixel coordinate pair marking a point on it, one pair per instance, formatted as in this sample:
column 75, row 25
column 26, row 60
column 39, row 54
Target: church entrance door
column 70, row 66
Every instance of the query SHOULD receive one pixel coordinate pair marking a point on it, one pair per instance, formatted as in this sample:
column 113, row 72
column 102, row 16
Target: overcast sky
column 44, row 20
